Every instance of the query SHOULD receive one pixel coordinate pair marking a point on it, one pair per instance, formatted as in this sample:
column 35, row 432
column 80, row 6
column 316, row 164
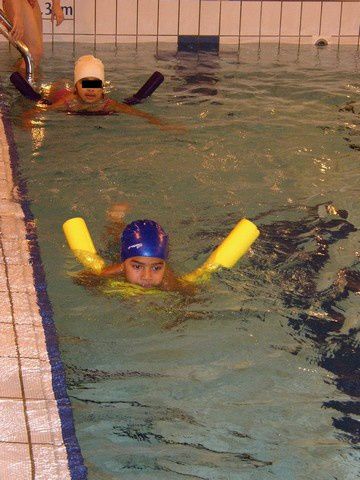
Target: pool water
column 256, row 376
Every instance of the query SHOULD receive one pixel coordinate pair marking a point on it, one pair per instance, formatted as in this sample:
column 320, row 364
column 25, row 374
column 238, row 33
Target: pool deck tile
column 37, row 379
column 12, row 421
column 13, row 251
column 47, row 464
column 19, row 276
column 5, row 308
column 15, row 461
column 10, row 386
column 31, row 440
column 3, row 279
column 25, row 310
column 7, row 341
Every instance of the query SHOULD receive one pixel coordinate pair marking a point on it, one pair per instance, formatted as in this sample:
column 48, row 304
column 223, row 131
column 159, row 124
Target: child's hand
column 57, row 14
column 117, row 212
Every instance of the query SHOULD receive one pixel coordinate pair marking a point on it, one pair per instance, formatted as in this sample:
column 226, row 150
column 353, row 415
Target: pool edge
column 75, row 460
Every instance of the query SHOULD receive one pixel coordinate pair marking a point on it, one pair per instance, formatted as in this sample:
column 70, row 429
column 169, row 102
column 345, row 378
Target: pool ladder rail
column 5, row 29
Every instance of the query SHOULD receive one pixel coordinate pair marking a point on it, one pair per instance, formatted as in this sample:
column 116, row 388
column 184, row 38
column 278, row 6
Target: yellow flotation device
column 226, row 255
column 126, row 289
column 81, row 244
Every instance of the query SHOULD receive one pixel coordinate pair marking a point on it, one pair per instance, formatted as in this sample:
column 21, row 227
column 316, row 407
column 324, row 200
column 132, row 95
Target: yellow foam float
column 229, row 252
column 81, row 244
column 226, row 255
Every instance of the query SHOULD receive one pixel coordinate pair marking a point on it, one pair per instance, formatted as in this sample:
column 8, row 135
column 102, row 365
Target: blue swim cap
column 144, row 238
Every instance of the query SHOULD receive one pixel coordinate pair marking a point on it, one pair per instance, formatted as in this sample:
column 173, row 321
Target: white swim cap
column 89, row 66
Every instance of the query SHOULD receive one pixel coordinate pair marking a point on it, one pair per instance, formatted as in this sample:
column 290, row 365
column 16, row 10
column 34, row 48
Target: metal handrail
column 5, row 29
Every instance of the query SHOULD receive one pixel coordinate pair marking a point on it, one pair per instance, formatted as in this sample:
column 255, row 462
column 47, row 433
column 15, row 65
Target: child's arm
column 172, row 283
column 17, row 31
column 61, row 102
column 115, row 106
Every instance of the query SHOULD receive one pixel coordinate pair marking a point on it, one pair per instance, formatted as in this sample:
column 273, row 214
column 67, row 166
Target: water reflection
column 313, row 314
column 197, row 77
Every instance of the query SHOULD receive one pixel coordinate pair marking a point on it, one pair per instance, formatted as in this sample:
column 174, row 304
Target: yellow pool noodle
column 226, row 255
column 229, row 252
column 81, row 244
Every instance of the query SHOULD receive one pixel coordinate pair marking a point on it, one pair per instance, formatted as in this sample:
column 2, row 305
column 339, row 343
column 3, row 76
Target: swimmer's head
column 144, row 251
column 88, row 66
column 144, row 238
column 89, row 78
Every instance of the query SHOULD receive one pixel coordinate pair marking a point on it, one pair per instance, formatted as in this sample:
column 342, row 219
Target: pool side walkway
column 35, row 412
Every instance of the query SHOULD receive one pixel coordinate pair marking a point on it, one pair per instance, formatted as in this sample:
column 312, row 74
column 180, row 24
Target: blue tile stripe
column 78, row 471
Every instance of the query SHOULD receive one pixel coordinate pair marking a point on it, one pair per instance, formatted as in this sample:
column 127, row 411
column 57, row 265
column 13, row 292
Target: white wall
column 235, row 21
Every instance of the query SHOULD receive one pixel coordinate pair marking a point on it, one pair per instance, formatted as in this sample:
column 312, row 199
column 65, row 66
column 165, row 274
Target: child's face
column 89, row 94
column 145, row 271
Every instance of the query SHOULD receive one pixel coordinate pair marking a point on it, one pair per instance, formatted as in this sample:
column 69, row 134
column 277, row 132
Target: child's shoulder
column 173, row 283
column 65, row 97
column 59, row 92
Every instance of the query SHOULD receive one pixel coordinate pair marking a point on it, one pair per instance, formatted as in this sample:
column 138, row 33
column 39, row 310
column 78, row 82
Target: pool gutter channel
column 38, row 438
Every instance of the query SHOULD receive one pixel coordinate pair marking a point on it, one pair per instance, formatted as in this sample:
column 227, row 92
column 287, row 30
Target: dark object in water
column 205, row 91
column 353, row 146
column 24, row 87
column 27, row 90
column 351, row 279
column 146, row 90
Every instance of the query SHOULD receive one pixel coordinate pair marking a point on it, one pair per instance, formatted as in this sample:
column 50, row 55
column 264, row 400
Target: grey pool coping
column 37, row 435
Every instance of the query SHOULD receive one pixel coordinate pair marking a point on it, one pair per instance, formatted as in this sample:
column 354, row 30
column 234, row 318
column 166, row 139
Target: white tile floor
column 31, row 442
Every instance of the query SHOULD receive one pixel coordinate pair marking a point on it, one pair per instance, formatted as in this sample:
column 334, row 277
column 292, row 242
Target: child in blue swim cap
column 144, row 250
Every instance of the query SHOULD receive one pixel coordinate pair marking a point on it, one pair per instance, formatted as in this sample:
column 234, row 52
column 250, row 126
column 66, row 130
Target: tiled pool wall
column 37, row 436
column 230, row 23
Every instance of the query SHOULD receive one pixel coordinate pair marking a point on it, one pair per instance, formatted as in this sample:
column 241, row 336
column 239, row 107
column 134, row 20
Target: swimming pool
column 255, row 377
